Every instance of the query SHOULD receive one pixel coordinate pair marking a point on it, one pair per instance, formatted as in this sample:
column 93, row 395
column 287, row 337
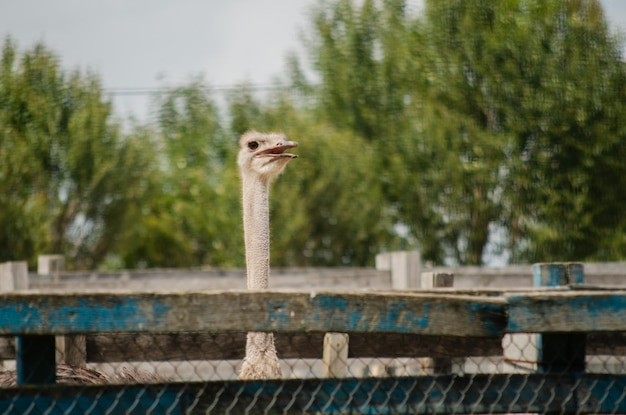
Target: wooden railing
column 570, row 319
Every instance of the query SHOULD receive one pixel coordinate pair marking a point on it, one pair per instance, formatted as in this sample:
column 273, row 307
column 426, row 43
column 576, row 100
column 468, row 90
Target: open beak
column 279, row 151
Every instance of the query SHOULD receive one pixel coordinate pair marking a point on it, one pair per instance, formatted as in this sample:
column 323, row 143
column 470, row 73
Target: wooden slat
column 204, row 346
column 606, row 344
column 432, row 314
column 405, row 395
column 108, row 348
column 572, row 311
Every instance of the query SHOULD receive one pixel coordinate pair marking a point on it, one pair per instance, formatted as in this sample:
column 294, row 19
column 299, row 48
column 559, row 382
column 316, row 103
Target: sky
column 153, row 43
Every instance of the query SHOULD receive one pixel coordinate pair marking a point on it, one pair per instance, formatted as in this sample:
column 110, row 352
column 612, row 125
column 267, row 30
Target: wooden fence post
column 70, row 349
column 13, row 276
column 545, row 353
column 405, row 268
column 559, row 352
column 50, row 265
column 34, row 354
column 335, row 355
column 430, row 280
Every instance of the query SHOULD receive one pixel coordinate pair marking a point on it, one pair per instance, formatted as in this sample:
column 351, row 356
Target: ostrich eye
column 253, row 145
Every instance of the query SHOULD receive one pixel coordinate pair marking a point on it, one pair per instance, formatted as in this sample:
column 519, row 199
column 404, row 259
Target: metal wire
column 115, row 379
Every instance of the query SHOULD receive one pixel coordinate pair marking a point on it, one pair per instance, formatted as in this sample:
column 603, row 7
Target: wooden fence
column 570, row 319
column 394, row 270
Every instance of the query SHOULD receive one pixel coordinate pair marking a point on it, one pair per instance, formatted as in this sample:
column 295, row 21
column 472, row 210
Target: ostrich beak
column 278, row 151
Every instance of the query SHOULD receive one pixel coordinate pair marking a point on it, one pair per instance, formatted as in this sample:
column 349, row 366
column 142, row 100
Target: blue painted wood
column 567, row 311
column 35, row 360
column 560, row 352
column 549, row 275
column 442, row 314
column 432, row 314
column 575, row 272
column 402, row 395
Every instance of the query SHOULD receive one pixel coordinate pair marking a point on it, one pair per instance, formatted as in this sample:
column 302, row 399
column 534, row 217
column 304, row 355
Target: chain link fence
column 321, row 373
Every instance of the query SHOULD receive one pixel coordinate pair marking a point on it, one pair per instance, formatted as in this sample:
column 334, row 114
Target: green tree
column 66, row 175
column 190, row 217
column 494, row 120
column 368, row 60
column 545, row 79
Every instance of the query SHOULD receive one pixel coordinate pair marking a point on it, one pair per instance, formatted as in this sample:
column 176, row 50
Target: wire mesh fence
column 322, row 372
column 191, row 357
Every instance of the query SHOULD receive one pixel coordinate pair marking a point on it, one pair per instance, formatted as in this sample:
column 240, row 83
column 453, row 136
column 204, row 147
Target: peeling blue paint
column 549, row 275
column 329, row 305
column 331, row 302
column 592, row 309
column 83, row 315
column 400, row 317
column 597, row 307
column 277, row 313
column 160, row 309
column 492, row 316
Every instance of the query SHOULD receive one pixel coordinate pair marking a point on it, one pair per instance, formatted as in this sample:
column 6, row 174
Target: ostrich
column 262, row 157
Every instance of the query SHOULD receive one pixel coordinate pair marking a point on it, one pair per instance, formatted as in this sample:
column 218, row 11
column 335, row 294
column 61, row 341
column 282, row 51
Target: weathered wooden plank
column 570, row 311
column 606, row 344
column 404, row 395
column 35, row 355
column 204, row 346
column 105, row 348
column 432, row 314
column 220, row 346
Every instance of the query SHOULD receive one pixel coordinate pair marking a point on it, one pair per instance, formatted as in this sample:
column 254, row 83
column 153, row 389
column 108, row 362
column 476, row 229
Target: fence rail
column 435, row 314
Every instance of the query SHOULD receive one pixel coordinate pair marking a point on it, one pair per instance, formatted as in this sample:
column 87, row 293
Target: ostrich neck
column 256, row 224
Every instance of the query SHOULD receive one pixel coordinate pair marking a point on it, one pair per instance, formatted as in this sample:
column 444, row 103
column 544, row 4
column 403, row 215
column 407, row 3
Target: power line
column 142, row 91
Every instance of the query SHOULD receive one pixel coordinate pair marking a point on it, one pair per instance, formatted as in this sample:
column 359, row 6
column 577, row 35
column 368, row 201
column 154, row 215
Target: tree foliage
column 468, row 129
column 66, row 175
column 189, row 217
column 545, row 79
column 498, row 119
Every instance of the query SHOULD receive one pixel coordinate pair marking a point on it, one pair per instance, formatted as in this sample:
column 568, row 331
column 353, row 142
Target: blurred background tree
column 495, row 120
column 188, row 218
column 67, row 176
column 544, row 80
column 469, row 129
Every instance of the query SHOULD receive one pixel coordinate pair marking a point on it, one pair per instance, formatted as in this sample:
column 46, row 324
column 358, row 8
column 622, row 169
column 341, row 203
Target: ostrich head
column 264, row 155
